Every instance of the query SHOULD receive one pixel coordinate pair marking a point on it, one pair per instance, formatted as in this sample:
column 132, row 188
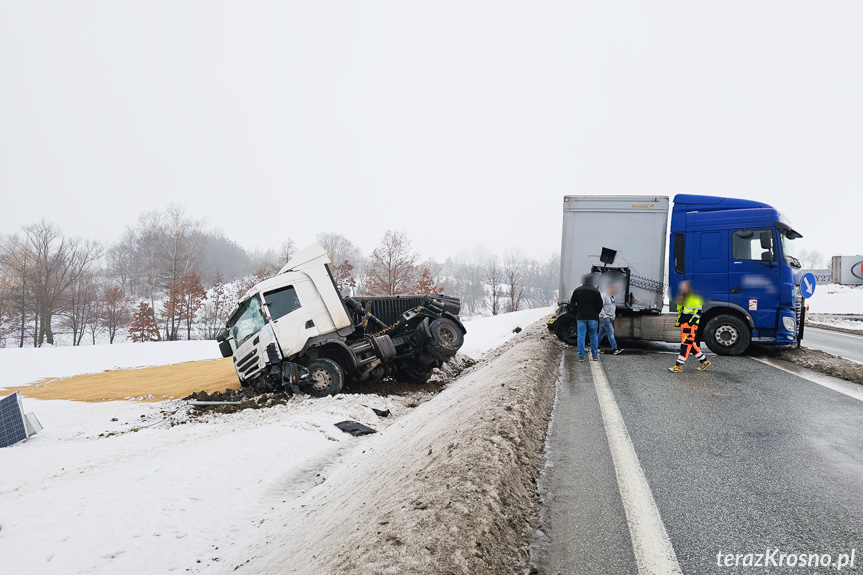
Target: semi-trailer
column 738, row 254
column 847, row 270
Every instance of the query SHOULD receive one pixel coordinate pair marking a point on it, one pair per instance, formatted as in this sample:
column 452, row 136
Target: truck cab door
column 288, row 318
column 753, row 275
column 711, row 268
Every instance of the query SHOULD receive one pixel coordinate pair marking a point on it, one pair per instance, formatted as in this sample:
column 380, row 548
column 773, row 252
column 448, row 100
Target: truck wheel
column 413, row 374
column 727, row 335
column 325, row 378
column 446, row 339
column 566, row 329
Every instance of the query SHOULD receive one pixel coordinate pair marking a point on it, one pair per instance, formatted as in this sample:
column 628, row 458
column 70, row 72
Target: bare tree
column 181, row 241
column 287, row 251
column 216, row 307
column 494, row 277
column 345, row 258
column 79, row 307
column 96, row 325
column 121, row 260
column 514, row 276
column 193, row 295
column 811, row 259
column 542, row 281
column 147, row 260
column 393, row 268
column 17, row 292
column 115, row 311
column 53, row 265
column 8, row 300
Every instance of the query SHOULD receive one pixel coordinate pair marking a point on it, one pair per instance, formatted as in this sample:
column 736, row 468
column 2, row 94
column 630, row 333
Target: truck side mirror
column 767, row 256
column 225, row 349
column 766, row 241
column 223, row 335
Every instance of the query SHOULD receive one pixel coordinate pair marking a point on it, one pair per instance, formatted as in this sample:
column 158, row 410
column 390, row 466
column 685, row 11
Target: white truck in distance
column 296, row 331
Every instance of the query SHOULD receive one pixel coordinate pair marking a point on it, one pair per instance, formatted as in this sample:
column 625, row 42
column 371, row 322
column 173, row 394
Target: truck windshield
column 789, row 248
column 247, row 321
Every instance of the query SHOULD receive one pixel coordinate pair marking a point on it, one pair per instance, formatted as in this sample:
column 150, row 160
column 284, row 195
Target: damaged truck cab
column 295, row 330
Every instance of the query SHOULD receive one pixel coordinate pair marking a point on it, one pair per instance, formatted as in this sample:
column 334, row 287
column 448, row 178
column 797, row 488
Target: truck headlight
column 788, row 322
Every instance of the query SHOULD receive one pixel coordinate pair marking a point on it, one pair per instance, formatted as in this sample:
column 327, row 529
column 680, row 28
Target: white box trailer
column 848, row 270
column 632, row 230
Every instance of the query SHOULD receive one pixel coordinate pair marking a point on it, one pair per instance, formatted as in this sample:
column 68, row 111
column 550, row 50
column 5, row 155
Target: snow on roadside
column 161, row 499
column 486, row 333
column 834, row 298
column 20, row 366
column 834, row 322
column 91, row 494
column 449, row 488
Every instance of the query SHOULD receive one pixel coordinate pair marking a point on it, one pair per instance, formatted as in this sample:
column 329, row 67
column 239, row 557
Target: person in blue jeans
column 587, row 303
column 606, row 318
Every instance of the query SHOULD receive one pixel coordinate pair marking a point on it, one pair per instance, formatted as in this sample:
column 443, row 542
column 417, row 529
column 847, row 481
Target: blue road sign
column 807, row 285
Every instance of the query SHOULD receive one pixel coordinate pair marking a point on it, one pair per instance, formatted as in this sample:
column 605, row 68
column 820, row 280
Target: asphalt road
column 836, row 342
column 743, row 458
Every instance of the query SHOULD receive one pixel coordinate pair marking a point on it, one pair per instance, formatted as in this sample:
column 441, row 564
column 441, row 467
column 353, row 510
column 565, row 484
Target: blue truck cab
column 739, row 256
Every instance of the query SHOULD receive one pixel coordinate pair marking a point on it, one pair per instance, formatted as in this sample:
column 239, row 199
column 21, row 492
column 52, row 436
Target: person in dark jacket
column 587, row 303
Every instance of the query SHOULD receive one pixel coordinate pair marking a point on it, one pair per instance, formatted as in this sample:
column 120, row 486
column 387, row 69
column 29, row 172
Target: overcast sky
column 460, row 122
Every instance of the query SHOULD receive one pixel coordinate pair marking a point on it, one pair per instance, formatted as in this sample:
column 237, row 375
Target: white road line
column 654, row 553
column 854, row 390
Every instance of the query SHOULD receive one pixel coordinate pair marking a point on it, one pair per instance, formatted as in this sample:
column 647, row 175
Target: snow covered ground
column 20, row 366
column 487, row 333
column 836, row 322
column 838, row 299
column 114, row 488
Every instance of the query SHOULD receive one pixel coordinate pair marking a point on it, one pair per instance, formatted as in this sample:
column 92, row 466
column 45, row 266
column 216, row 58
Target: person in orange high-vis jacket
column 689, row 308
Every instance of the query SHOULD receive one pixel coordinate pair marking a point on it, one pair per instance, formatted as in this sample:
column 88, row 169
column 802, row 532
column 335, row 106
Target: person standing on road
column 606, row 318
column 587, row 303
column 689, row 308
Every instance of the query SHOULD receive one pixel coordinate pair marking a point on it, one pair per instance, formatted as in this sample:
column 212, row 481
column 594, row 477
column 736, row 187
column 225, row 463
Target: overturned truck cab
column 296, row 331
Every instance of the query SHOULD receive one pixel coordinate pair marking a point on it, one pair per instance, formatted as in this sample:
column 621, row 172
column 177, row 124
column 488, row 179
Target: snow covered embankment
column 449, row 488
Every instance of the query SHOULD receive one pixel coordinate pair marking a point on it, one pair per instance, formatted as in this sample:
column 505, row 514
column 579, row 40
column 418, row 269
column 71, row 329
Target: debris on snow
column 355, row 428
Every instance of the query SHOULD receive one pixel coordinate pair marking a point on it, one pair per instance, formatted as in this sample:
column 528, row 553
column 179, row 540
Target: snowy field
column 837, row 299
column 20, row 366
column 836, row 322
column 113, row 487
column 489, row 332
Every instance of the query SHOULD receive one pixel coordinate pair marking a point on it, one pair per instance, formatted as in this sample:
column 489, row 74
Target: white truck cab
column 295, row 328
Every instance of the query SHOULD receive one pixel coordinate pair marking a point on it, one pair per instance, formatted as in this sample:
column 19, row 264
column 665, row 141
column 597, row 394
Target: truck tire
column 325, row 378
column 727, row 334
column 413, row 374
column 447, row 338
column 566, row 329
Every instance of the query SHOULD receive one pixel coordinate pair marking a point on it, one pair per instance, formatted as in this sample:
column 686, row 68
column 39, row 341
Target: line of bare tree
column 168, row 278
